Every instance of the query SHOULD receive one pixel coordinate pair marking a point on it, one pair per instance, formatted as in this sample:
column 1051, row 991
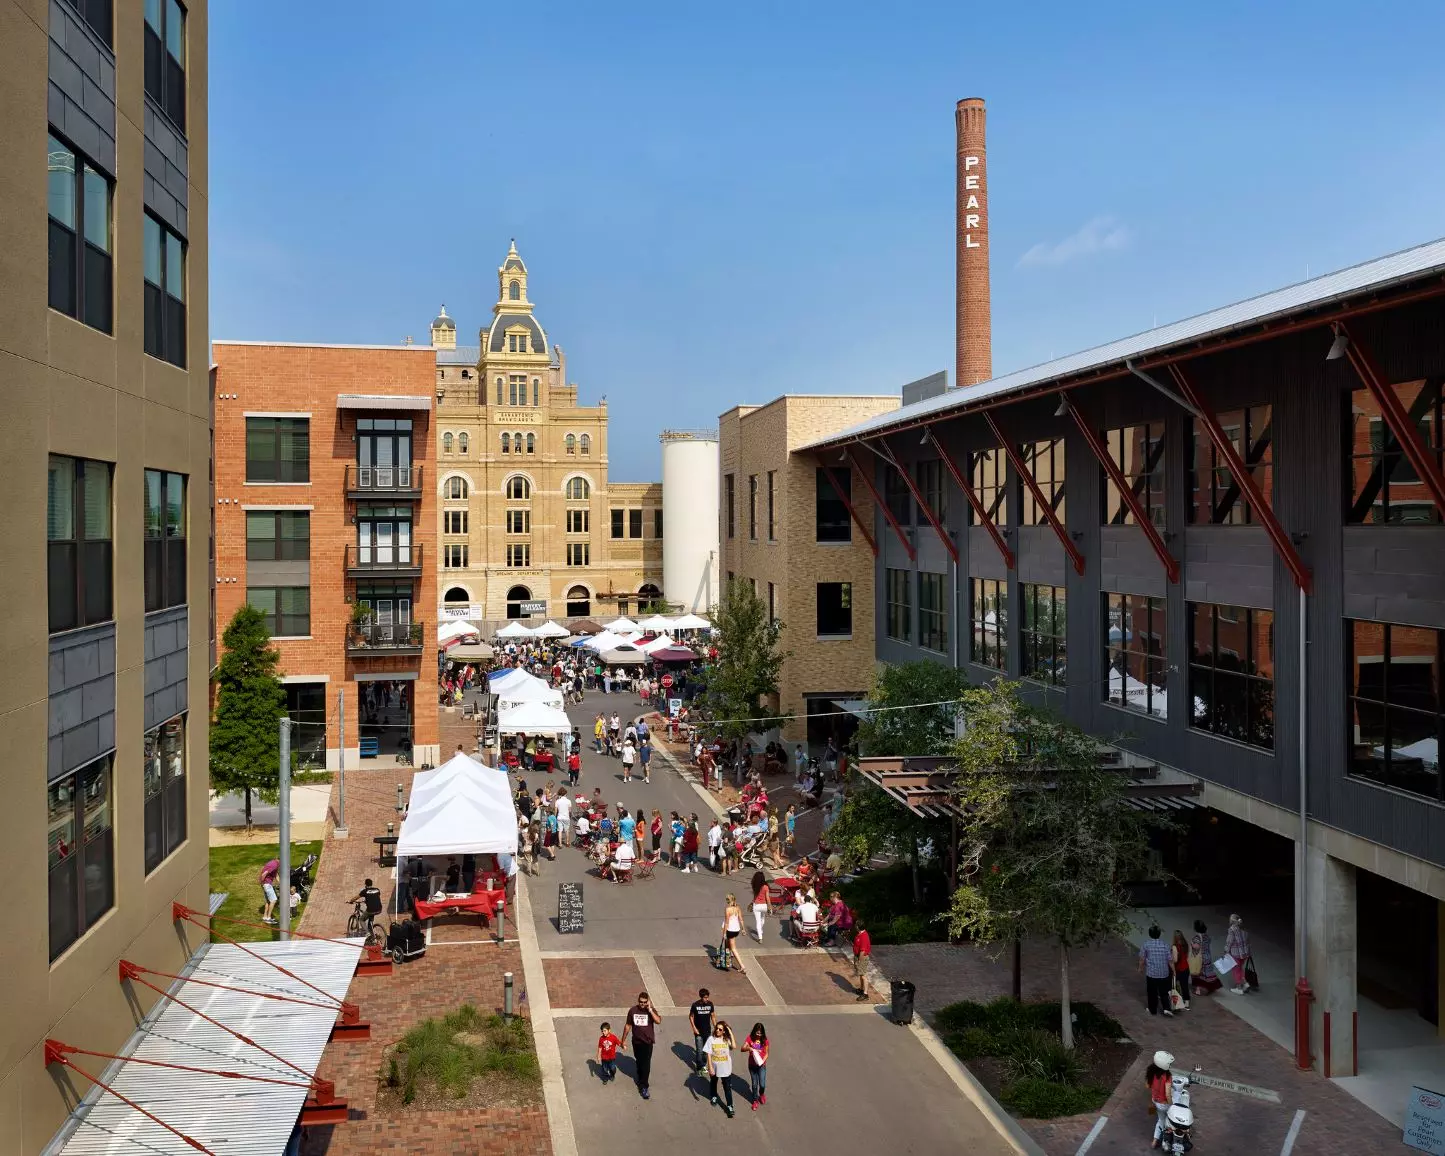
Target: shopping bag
column 1196, row 961
column 1176, row 1001
column 1251, row 976
column 1224, row 965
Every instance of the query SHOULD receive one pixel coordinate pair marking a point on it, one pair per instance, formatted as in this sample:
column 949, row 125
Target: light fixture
column 842, row 456
column 1337, row 347
column 1063, row 406
column 927, row 433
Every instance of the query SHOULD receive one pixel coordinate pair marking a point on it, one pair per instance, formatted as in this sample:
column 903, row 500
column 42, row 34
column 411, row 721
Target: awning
column 239, row 1117
column 381, row 401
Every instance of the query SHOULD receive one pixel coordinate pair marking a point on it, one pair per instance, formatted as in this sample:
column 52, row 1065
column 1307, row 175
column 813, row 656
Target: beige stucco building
column 527, row 512
column 784, row 529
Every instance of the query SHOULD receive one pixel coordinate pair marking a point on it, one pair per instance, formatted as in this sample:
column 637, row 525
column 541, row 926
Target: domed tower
column 512, row 279
column 443, row 331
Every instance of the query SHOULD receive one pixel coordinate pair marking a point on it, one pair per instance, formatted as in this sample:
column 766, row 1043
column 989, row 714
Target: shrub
column 1003, row 1014
column 970, row 1043
column 432, row 1053
column 883, row 899
column 1038, row 1099
column 1032, row 1053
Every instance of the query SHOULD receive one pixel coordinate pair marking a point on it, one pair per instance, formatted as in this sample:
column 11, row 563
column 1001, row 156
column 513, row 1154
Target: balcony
column 384, row 482
column 402, row 561
column 379, row 639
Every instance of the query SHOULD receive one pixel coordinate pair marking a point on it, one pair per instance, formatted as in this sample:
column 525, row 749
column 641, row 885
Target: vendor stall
column 515, row 630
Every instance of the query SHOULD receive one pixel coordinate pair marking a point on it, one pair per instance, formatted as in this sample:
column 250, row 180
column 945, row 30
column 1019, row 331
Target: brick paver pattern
column 607, row 982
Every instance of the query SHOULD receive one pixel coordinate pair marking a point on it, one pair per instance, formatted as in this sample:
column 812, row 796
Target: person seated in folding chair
column 619, row 870
column 805, row 926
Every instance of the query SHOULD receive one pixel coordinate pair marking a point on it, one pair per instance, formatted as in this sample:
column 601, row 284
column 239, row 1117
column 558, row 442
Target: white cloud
column 1100, row 235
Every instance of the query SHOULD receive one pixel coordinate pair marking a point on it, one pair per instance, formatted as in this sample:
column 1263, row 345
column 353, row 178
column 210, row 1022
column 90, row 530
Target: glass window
column 463, row 443
column 1043, row 635
column 1045, row 461
column 519, row 489
column 657, row 523
column 1383, row 485
column 577, row 490
column 454, row 489
column 287, row 609
column 97, row 14
column 988, row 622
column 896, row 497
column 835, row 609
column 899, row 606
column 278, row 535
column 79, row 548
column 278, row 449
column 506, row 443
column 585, row 441
column 988, row 474
column 569, row 445
column 447, row 443
column 1215, row 496
column 1136, row 655
column 165, row 58
column 163, row 767
column 579, row 554
column 579, row 521
column 306, row 707
column 79, row 852
column 454, row 556
column 454, row 522
column 531, row 443
column 519, row 555
column 932, row 612
column 753, row 507
column 831, row 521
column 519, row 521
column 1396, row 722
column 165, row 539
column 772, row 505
column 619, row 521
column 78, row 198
column 730, row 497
column 165, row 295
column 1138, row 451
column 500, row 386
column 634, row 523
column 929, row 479
column 1231, row 672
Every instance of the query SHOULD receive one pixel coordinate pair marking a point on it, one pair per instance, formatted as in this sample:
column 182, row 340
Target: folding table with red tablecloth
column 479, row 903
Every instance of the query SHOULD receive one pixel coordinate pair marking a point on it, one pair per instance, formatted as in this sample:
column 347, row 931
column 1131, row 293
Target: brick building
column 326, row 521
column 785, row 529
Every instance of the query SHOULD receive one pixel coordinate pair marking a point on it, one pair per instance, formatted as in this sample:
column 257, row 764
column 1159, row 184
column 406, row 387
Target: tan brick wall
column 756, row 441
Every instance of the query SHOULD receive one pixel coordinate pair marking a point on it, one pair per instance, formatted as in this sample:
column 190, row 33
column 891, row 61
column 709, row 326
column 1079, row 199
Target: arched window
column 466, row 374
column 456, row 488
column 578, row 490
column 514, row 291
column 500, row 384
column 446, row 443
column 462, row 442
column 516, row 595
column 506, row 443
column 586, row 444
column 531, row 443
column 649, row 597
column 571, row 444
column 579, row 602
column 519, row 489
column 537, row 389
column 456, row 594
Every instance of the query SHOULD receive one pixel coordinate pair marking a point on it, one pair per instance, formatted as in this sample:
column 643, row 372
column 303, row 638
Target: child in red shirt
column 862, row 949
column 607, row 1045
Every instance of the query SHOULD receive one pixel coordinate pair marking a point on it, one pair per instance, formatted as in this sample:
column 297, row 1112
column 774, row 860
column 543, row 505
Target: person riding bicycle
column 370, row 895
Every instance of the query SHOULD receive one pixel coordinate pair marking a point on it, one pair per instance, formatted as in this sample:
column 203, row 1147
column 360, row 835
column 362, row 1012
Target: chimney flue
column 975, row 350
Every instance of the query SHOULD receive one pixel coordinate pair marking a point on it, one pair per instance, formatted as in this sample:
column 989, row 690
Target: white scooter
column 1178, row 1121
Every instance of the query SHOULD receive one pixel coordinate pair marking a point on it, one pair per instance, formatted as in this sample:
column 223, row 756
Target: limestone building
column 529, row 524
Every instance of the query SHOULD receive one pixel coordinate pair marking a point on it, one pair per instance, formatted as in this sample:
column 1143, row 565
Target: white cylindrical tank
column 690, row 467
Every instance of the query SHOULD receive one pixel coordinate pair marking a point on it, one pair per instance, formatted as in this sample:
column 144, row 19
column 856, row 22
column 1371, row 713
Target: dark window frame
column 933, row 611
column 79, row 565
column 282, row 623
column 165, row 75
column 828, row 505
column 985, row 594
column 772, row 505
column 1043, row 634
column 298, row 551
column 579, row 521
column 1050, row 452
column 752, row 507
column 928, row 476
column 1148, row 482
column 896, row 496
column 165, row 541
column 99, row 16
column 297, row 470
column 1128, row 652
column 455, row 521
column 579, row 553
column 70, row 876
column 618, row 519
column 1210, row 478
column 1212, row 669
column 836, row 612
column 165, row 301
column 634, row 522
column 519, row 555
column 657, row 522
column 898, row 615
column 454, row 556
column 1371, row 500
column 81, row 274
column 988, row 474
column 730, row 495
column 1391, row 708
column 164, row 792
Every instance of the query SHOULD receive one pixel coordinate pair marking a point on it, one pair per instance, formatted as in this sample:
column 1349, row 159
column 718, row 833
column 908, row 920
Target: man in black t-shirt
column 699, row 1016
column 370, row 895
column 642, row 1019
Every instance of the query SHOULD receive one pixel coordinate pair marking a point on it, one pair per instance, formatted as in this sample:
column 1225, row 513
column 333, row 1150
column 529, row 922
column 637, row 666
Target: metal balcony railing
column 388, row 481
column 383, row 559
column 390, row 637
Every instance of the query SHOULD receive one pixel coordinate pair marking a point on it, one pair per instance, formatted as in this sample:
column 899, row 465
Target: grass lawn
column 236, row 870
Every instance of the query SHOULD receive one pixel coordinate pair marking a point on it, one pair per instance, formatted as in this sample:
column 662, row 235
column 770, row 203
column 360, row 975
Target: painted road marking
column 1293, row 1134
column 1093, row 1135
column 1249, row 1090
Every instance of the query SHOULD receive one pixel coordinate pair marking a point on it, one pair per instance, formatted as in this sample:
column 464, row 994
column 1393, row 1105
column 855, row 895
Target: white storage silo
column 690, row 519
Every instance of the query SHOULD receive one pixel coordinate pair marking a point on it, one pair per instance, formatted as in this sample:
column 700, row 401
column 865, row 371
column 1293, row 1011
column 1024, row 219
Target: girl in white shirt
column 720, row 1063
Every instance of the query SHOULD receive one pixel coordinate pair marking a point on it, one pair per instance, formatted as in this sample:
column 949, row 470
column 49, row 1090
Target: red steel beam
column 922, row 504
column 852, row 513
column 882, row 505
column 968, row 492
column 1245, row 480
column 1126, row 491
column 1044, row 504
column 1406, row 433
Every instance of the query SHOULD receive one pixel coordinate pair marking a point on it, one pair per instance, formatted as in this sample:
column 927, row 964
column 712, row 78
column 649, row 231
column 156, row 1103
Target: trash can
column 902, row 1001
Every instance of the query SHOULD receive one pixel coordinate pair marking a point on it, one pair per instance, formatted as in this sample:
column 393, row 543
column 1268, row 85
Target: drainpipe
column 1303, row 996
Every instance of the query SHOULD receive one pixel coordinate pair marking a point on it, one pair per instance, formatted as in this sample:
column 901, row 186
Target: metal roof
column 237, row 1117
column 381, row 401
column 461, row 355
column 1383, row 272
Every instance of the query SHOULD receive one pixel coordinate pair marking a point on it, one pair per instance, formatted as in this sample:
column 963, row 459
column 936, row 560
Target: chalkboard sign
column 569, row 908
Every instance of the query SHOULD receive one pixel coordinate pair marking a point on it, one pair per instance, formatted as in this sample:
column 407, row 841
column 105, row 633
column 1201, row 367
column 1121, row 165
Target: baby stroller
column 751, row 854
column 301, row 877
column 406, row 941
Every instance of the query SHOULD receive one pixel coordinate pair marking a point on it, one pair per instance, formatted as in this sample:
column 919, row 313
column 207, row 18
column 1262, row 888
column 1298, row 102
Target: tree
column 245, row 737
column 748, row 665
column 1048, row 832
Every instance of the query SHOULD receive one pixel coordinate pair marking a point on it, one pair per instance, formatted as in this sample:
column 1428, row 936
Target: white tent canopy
column 550, row 629
column 460, row 770
column 690, row 622
column 624, row 656
column 515, row 630
column 457, row 629
column 605, row 641
column 623, row 625
column 657, row 622
column 507, row 679
column 533, row 718
column 523, row 692
column 461, row 808
column 661, row 642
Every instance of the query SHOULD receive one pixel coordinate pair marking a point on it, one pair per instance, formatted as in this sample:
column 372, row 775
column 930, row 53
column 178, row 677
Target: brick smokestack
column 975, row 347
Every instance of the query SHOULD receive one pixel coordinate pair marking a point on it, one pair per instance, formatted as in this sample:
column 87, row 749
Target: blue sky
column 722, row 203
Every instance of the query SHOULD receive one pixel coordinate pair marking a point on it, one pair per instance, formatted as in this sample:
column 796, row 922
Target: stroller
column 406, row 941
column 301, row 877
column 751, row 852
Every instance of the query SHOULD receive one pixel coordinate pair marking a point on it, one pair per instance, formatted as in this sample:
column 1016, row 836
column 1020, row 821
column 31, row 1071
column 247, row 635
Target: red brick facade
column 975, row 350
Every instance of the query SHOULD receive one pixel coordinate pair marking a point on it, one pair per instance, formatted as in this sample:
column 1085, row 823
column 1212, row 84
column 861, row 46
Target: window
column 1136, row 661
column 454, row 522
column 97, row 13
column 932, row 612
column 585, row 441
column 1215, row 497
column 519, row 555
column 569, row 445
column 577, row 490
column 536, row 384
column 447, row 443
column 772, row 503
column 1045, row 461
column 278, row 449
column 772, row 603
column 579, row 554
column 165, row 58
column 454, row 556
column 79, row 200
column 287, row 609
column 531, row 443
column 730, row 497
column 306, row 707
column 579, row 521
column 896, row 497
column 619, row 519
column 1043, row 634
column 500, row 385
column 516, row 595
column 165, row 293
column 1383, row 485
column 753, row 507
column 164, row 770
column 462, row 443
column 930, row 484
column 165, row 540
column 80, row 852
column 988, row 622
column 1397, row 723
column 514, row 291
column 517, row 389
column 278, row 535
column 1138, row 451
column 506, row 443
column 657, row 523
column 519, row 521
column 456, row 594
column 579, row 602
column 634, row 523
column 78, row 547
column 835, row 609
column 519, row 489
column 454, row 489
column 1231, row 673
column 512, row 341
column 988, row 473
column 899, row 607
column 831, row 521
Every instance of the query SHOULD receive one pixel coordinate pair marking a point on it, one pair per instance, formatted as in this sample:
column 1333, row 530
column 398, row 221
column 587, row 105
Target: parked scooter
column 1179, row 1120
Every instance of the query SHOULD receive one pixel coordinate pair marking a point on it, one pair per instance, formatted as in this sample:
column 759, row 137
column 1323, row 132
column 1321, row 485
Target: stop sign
column 667, row 682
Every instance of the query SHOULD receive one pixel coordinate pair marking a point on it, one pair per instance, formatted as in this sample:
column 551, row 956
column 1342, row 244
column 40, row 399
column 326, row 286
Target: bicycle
column 361, row 926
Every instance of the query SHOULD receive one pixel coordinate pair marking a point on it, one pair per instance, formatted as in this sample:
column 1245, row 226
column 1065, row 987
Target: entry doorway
column 387, row 716
column 579, row 604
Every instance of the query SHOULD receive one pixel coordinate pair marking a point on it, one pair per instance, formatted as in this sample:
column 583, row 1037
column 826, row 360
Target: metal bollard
column 501, row 921
column 507, row 995
column 400, row 799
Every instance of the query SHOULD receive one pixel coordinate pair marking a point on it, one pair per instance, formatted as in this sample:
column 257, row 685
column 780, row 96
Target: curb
column 544, row 1028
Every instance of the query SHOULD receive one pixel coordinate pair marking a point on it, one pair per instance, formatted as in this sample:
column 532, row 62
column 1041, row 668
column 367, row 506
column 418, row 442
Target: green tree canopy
column 245, row 738
column 748, row 665
column 926, row 730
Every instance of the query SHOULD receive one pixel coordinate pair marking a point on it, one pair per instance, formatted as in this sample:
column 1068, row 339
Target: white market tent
column 426, row 786
column 550, row 629
column 454, row 630
column 624, row 656
column 657, row 622
column 461, row 808
column 507, row 679
column 515, row 630
column 534, row 718
column 691, row 622
column 524, row 692
column 605, row 641
column 623, row 625
column 661, row 642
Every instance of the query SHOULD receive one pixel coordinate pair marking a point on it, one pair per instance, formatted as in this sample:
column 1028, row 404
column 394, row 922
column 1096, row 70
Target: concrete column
column 1333, row 964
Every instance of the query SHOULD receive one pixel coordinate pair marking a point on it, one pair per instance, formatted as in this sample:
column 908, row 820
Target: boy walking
column 699, row 1017
column 607, row 1053
column 862, row 950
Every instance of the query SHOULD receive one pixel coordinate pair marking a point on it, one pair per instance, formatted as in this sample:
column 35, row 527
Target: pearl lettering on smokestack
column 975, row 350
